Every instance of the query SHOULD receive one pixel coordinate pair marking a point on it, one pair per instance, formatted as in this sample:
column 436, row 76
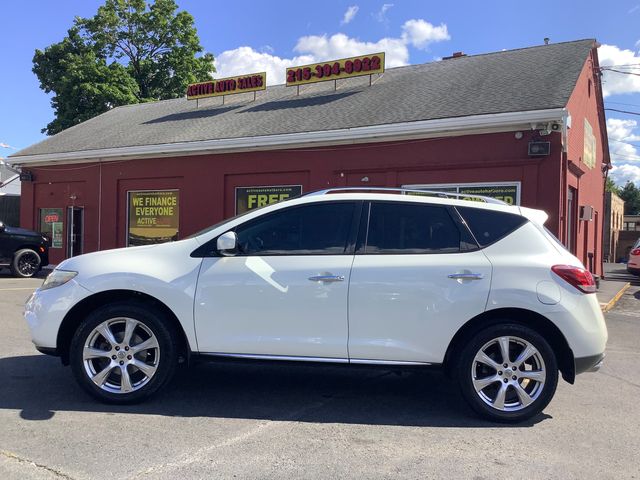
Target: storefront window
column 507, row 192
column 52, row 226
column 153, row 217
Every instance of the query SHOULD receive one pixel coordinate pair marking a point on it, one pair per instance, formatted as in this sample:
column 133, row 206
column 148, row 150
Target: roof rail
column 406, row 190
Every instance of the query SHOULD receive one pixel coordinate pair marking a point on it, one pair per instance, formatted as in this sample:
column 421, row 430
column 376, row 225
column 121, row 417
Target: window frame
column 209, row 249
column 365, row 220
column 482, row 247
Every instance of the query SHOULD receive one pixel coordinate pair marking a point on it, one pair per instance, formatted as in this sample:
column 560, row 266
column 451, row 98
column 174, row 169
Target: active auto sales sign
column 228, row 86
column 336, row 69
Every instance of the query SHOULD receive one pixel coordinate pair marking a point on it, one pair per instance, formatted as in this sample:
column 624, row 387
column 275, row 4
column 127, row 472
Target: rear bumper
column 591, row 363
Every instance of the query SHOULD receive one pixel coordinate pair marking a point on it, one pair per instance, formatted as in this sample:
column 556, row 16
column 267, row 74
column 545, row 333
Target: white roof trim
column 377, row 133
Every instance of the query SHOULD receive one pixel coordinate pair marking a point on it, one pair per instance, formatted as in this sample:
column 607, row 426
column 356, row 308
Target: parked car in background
column 633, row 264
column 482, row 290
column 25, row 252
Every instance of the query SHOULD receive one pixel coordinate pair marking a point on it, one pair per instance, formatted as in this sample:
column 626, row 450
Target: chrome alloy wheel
column 508, row 373
column 121, row 355
column 28, row 263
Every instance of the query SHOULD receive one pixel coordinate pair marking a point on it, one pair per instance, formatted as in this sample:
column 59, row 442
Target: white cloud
column 317, row 48
column 621, row 174
column 621, row 133
column 614, row 82
column 624, row 155
column 245, row 59
column 349, row 14
column 381, row 15
column 339, row 45
column 5, row 145
column 421, row 33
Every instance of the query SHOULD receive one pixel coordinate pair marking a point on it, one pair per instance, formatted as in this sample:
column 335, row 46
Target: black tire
column 25, row 263
column 151, row 320
column 514, row 410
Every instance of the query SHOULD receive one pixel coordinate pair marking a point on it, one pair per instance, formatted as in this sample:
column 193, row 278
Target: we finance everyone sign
column 154, row 217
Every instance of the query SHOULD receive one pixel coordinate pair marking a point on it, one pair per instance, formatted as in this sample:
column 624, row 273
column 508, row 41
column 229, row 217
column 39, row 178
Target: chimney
column 546, row 40
column 455, row 55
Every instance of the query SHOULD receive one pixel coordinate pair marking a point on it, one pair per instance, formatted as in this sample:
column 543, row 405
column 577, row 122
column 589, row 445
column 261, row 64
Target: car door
column 417, row 276
column 284, row 292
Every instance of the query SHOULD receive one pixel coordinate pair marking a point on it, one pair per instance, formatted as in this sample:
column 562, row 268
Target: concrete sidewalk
column 610, row 292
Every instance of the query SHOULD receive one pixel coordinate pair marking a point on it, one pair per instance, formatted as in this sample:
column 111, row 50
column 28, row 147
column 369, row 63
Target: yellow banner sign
column 153, row 217
column 249, row 198
column 228, row 86
column 336, row 69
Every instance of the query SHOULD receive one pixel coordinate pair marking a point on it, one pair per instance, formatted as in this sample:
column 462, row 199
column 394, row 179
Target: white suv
column 393, row 279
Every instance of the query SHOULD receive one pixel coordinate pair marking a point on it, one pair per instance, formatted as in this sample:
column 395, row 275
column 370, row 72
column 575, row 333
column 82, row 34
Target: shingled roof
column 535, row 78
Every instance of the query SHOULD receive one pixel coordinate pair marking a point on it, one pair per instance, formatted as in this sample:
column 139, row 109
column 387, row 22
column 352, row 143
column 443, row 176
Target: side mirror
column 1, row 227
column 227, row 242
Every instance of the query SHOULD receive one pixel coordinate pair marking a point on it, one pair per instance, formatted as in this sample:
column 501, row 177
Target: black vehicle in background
column 25, row 252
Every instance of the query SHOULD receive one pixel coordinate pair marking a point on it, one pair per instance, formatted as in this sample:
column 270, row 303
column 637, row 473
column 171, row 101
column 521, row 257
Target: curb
column 611, row 303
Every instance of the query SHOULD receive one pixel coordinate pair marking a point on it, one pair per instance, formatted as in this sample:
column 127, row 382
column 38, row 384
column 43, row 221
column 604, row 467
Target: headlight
column 57, row 278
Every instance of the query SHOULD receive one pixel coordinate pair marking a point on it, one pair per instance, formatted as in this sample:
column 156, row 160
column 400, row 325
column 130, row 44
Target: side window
column 489, row 226
column 318, row 229
column 401, row 228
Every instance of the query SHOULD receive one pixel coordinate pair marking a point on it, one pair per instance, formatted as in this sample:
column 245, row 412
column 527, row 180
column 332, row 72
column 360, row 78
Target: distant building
column 9, row 197
column 628, row 235
column 613, row 214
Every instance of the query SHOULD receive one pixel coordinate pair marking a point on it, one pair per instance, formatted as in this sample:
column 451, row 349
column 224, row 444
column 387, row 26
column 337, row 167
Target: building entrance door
column 75, row 229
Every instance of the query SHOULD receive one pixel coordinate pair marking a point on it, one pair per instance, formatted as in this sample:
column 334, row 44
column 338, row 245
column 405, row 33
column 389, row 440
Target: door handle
column 466, row 276
column 327, row 278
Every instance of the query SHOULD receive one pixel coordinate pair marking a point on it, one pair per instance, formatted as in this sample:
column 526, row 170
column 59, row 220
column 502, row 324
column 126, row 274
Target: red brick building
column 526, row 125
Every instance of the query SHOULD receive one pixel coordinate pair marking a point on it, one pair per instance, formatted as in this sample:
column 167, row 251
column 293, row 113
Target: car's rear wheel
column 124, row 352
column 507, row 373
column 25, row 263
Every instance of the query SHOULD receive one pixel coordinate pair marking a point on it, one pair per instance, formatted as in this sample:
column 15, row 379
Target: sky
column 249, row 36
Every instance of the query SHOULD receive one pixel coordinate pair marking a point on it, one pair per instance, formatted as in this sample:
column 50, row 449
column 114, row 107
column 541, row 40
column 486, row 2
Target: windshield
column 216, row 225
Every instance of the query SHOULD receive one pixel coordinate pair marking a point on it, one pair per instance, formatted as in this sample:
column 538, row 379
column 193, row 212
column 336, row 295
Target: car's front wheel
column 507, row 373
column 25, row 263
column 124, row 352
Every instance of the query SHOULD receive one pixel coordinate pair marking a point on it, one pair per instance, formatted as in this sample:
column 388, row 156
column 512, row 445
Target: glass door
column 75, row 229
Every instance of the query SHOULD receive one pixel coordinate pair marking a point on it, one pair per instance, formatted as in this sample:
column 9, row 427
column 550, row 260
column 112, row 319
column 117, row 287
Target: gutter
column 474, row 124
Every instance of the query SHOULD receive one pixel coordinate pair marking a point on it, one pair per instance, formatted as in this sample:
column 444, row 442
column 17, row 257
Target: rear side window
column 489, row 226
column 397, row 228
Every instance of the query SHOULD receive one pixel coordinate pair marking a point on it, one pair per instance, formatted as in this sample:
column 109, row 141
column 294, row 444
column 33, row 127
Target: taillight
column 576, row 277
column 635, row 251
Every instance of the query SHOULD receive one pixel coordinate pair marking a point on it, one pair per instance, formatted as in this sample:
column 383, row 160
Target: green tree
column 129, row 52
column 631, row 196
column 611, row 186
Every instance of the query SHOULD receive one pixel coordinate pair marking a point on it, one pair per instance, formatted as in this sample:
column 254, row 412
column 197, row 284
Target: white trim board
column 469, row 125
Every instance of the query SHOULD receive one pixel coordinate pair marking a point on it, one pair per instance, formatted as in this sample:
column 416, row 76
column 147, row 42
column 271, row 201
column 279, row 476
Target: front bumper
column 46, row 309
column 592, row 363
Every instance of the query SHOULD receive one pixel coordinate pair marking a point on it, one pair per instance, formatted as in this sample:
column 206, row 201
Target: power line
column 620, row 71
column 622, row 111
column 626, row 143
column 622, row 103
column 630, row 157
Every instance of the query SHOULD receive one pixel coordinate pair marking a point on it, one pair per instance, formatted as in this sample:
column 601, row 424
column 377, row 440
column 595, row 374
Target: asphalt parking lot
column 248, row 421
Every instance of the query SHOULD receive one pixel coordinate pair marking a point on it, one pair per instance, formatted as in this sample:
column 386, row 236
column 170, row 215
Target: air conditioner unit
column 539, row 149
column 586, row 213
